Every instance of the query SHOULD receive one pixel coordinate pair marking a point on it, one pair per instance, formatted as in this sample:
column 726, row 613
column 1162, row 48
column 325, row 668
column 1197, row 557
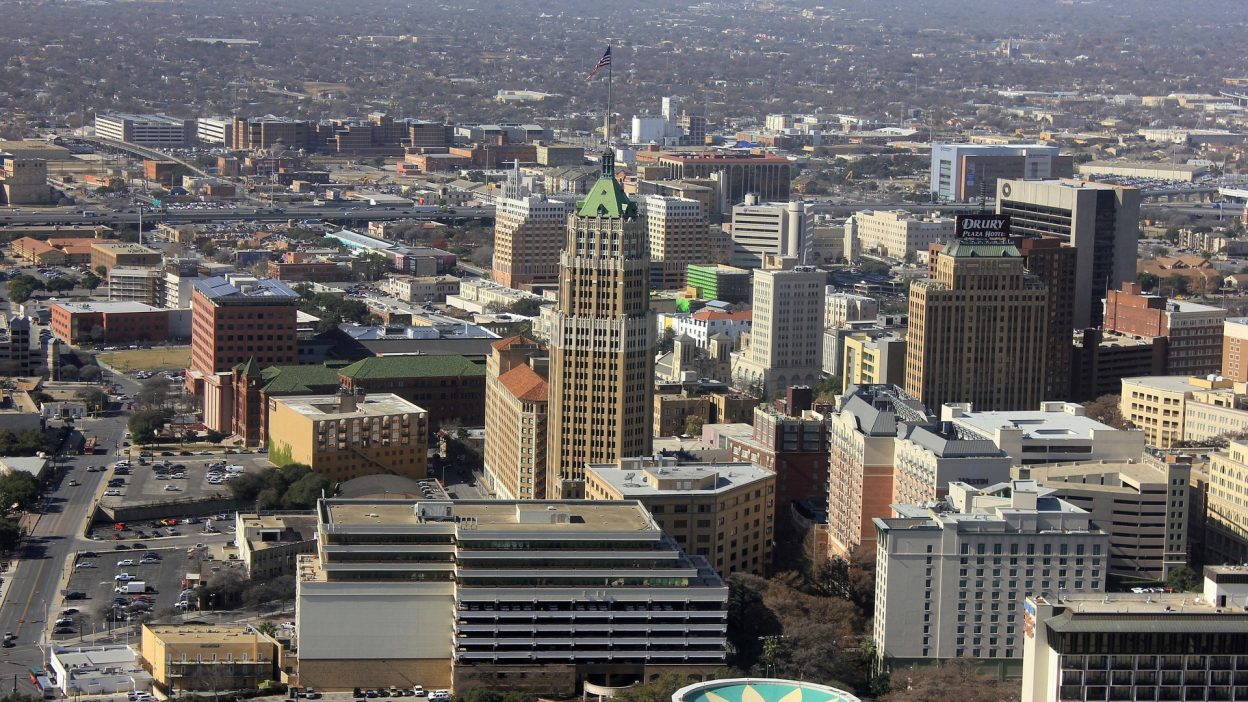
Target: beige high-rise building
column 898, row 234
column 978, row 330
column 677, row 231
column 724, row 512
column 601, row 340
column 784, row 344
column 516, row 400
column 1235, row 349
column 1226, row 520
column 528, row 229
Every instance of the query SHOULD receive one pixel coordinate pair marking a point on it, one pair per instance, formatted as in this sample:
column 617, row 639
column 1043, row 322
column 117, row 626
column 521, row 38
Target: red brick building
column 236, row 319
column 109, row 322
column 793, row 446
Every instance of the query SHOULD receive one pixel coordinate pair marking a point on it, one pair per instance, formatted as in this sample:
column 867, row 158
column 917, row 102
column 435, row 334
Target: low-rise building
column 346, row 436
column 1081, row 647
column 1157, row 404
column 542, row 594
column 724, row 512
column 189, row 658
column 1142, row 503
column 421, row 289
column 949, row 576
column 38, row 252
column 270, row 544
column 98, row 670
column 109, row 322
column 792, row 444
column 112, row 254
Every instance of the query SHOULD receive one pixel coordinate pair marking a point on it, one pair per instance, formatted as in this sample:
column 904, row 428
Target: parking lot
column 164, row 565
column 149, row 482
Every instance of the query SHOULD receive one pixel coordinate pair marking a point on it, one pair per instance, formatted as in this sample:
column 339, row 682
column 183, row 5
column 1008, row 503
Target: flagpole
column 607, row 127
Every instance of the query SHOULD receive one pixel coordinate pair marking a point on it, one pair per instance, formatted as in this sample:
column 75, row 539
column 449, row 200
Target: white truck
column 133, row 587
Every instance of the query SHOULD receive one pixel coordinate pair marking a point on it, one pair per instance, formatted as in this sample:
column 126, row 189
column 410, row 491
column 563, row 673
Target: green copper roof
column 413, row 367
column 249, row 368
column 297, row 380
column 606, row 198
column 966, row 249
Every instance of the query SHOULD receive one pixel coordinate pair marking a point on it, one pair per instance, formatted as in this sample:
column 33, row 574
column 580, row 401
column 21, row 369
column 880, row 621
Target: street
column 33, row 591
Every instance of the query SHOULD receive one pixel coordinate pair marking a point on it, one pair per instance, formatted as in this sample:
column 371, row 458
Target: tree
column 526, row 307
column 1148, row 281
column 153, row 395
column 94, row 398
column 18, row 488
column 90, row 281
column 850, row 578
column 667, row 342
column 60, row 284
column 1183, row 579
column 145, row 423
column 304, row 492
column 693, row 425
column 659, row 690
column 1105, row 409
column 1177, row 284
column 101, row 271
column 10, row 535
column 267, row 628
column 749, row 619
column 937, row 683
column 21, row 287
column 90, row 374
column 24, row 443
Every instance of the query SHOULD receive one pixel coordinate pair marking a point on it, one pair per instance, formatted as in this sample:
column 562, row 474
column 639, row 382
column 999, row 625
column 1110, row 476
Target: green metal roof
column 607, row 199
column 413, row 367
column 295, row 380
column 966, row 249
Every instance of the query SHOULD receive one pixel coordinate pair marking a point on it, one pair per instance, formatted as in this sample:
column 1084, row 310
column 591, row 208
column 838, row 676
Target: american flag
column 602, row 63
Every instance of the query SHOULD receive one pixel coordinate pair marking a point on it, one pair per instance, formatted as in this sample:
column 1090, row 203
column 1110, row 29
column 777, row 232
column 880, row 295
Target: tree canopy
column 293, row 486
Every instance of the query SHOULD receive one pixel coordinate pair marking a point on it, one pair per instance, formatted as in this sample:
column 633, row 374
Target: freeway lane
column 340, row 214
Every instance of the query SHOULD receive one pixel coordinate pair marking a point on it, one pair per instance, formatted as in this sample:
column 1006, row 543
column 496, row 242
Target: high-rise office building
column 677, row 232
column 601, row 339
column 1101, row 221
column 784, row 346
column 528, row 230
column 767, row 229
column 1054, row 263
column 765, row 175
column 964, row 172
column 978, row 330
column 235, row 319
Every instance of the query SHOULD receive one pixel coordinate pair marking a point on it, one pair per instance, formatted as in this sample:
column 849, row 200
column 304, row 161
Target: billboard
column 985, row 228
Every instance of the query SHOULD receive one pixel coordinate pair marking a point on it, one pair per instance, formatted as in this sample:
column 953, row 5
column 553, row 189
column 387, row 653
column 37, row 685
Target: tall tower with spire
column 601, row 348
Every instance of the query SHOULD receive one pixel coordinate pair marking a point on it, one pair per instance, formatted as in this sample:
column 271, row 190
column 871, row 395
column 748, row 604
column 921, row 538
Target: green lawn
column 158, row 359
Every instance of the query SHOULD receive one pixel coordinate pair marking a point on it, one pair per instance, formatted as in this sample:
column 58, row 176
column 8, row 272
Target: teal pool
column 760, row 690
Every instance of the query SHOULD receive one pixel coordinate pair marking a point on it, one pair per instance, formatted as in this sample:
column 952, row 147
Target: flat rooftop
column 107, row 307
column 701, row 478
column 499, row 515
column 332, row 406
column 122, row 247
column 173, row 634
column 1034, row 424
